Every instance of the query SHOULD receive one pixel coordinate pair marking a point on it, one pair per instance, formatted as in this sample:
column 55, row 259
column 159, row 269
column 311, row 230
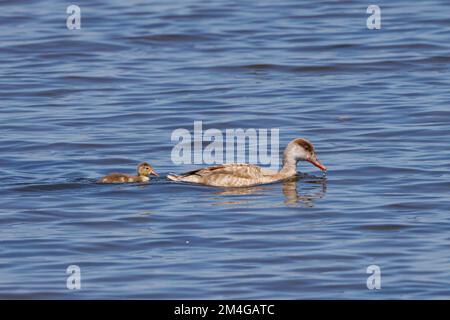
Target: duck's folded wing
column 247, row 171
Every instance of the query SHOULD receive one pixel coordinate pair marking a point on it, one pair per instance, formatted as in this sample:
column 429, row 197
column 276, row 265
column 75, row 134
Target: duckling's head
column 144, row 169
column 302, row 150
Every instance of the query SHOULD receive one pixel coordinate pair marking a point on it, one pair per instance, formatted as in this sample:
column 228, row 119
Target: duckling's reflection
column 292, row 197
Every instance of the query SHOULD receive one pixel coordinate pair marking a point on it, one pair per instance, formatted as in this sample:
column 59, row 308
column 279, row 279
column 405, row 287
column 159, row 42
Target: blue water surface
column 78, row 104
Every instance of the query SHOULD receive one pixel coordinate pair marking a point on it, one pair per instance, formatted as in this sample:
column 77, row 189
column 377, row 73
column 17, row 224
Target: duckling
column 143, row 172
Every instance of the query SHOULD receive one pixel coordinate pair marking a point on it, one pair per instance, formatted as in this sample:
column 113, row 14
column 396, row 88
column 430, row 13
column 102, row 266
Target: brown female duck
column 244, row 175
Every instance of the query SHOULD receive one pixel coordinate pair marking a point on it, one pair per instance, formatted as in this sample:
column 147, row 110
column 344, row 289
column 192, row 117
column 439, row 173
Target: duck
column 143, row 172
column 246, row 175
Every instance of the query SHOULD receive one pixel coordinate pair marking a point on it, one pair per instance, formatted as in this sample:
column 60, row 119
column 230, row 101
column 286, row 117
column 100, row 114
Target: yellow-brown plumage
column 143, row 172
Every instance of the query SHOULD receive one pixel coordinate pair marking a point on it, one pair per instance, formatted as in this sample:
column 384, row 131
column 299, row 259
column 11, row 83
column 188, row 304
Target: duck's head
column 302, row 150
column 144, row 169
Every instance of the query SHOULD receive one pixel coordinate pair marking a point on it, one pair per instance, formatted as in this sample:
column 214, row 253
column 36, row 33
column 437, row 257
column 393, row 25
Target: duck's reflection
column 312, row 188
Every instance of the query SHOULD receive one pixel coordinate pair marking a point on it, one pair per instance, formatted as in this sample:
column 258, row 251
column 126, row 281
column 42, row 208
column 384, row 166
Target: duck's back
column 228, row 175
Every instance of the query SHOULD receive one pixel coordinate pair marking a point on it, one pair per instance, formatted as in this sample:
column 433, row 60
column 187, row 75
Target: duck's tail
column 174, row 177
column 186, row 177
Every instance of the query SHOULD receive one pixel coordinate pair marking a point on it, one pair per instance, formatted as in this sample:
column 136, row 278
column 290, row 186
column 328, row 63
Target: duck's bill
column 154, row 173
column 318, row 165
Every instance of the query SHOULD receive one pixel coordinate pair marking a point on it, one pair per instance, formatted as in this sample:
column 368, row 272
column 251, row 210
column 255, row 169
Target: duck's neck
column 289, row 168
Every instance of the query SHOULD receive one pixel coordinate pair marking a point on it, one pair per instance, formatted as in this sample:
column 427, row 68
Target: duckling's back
column 117, row 178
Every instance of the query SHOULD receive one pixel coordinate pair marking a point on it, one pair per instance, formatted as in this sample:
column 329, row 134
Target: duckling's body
column 143, row 170
column 123, row 178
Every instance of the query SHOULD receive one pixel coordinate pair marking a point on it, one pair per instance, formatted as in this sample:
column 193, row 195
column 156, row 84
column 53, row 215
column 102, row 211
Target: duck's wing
column 246, row 171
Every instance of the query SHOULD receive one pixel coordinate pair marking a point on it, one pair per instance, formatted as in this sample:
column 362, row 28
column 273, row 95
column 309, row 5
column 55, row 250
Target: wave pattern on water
column 77, row 104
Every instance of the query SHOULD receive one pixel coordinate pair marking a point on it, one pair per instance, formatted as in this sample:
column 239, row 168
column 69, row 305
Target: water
column 77, row 104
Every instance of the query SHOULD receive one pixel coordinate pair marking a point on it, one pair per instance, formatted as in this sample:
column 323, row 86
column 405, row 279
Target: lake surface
column 78, row 104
